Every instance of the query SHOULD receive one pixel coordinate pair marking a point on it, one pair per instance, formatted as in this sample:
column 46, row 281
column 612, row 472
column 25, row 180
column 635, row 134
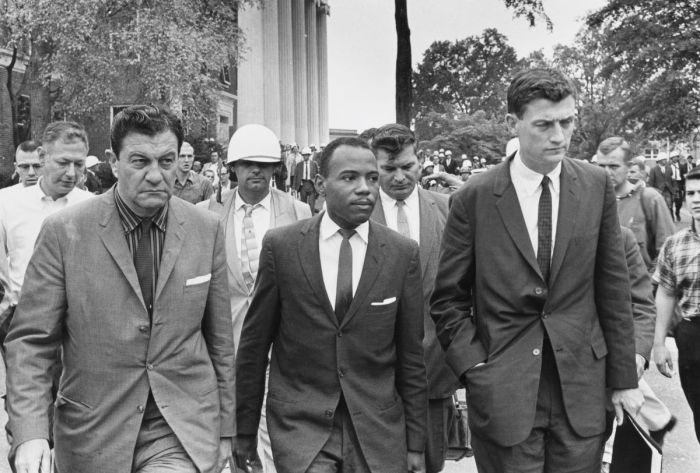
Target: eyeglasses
column 26, row 166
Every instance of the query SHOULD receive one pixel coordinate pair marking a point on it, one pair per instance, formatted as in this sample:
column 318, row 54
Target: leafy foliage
column 153, row 50
column 654, row 47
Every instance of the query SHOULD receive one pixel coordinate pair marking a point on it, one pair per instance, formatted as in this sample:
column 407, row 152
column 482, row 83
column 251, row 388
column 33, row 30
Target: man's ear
column 512, row 123
column 320, row 183
column 111, row 156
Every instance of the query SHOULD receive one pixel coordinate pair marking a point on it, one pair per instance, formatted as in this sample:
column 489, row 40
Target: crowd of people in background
column 324, row 309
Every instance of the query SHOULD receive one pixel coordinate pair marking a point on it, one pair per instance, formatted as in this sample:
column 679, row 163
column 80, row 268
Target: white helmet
column 305, row 150
column 254, row 143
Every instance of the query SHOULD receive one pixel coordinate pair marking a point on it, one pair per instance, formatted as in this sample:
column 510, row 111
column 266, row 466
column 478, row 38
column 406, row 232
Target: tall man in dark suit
column 132, row 286
column 304, row 178
column 339, row 299
column 418, row 214
column 532, row 297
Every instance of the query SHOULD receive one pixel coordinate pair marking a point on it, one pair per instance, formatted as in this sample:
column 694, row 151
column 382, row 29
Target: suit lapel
column 568, row 209
column 429, row 235
column 112, row 235
column 508, row 207
column 174, row 238
column 378, row 212
column 374, row 259
column 232, row 260
column 310, row 259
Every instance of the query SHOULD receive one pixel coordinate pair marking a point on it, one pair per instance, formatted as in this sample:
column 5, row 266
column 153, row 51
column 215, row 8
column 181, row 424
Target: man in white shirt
column 248, row 212
column 418, row 214
column 338, row 299
column 63, row 154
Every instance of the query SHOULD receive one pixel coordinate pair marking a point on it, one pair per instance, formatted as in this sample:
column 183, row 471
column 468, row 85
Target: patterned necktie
column 343, row 294
column 402, row 219
column 250, row 253
column 143, row 262
column 544, row 230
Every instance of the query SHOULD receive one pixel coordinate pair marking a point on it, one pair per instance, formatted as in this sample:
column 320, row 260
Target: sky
column 362, row 45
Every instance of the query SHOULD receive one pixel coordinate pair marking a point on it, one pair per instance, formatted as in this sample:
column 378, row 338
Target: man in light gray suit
column 420, row 215
column 247, row 213
column 132, row 286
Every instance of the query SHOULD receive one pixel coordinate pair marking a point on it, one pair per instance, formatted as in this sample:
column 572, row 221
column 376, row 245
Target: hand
column 33, row 456
column 629, row 400
column 663, row 360
column 641, row 364
column 245, row 450
column 225, row 454
column 416, row 462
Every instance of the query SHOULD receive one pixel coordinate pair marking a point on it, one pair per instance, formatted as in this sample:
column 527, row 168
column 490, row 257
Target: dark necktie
column 143, row 261
column 343, row 294
column 544, row 230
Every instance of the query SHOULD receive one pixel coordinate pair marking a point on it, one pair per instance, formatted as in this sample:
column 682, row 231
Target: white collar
column 527, row 180
column 389, row 202
column 37, row 192
column 329, row 228
column 238, row 201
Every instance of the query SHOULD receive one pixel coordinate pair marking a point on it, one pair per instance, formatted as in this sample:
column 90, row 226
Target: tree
column 465, row 76
column 652, row 45
column 529, row 9
column 86, row 52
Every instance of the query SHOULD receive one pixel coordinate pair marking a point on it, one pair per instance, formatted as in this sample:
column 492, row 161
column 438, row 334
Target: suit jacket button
column 544, row 315
column 340, row 334
column 143, row 329
column 536, row 351
column 329, row 413
column 539, row 291
column 140, row 409
column 340, row 372
column 150, row 367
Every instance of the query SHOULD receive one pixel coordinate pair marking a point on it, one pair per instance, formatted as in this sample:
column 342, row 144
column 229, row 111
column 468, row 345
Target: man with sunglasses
column 248, row 212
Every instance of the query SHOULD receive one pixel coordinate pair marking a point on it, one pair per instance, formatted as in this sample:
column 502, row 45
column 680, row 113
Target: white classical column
column 322, row 33
column 286, row 68
column 271, row 62
column 251, row 99
column 301, row 130
column 312, row 71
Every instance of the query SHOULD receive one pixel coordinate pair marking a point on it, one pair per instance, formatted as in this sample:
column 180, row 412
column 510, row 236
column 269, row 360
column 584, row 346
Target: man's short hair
column 393, row 138
column 538, row 83
column 28, row 146
column 368, row 134
column 148, row 120
column 66, row 132
column 693, row 175
column 327, row 154
column 608, row 145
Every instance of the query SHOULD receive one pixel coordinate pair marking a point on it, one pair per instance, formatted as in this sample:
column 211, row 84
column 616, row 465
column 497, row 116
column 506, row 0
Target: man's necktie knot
column 346, row 233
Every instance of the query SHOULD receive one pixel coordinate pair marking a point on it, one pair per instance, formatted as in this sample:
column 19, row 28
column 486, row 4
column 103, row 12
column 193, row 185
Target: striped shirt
column 678, row 270
column 131, row 223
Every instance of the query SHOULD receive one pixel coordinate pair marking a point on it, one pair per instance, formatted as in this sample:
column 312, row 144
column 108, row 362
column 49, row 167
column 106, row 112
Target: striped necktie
column 250, row 253
column 402, row 219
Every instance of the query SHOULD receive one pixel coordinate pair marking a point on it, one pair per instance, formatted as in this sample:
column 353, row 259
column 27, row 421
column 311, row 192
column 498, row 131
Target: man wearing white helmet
column 451, row 165
column 248, row 212
column 188, row 185
column 304, row 177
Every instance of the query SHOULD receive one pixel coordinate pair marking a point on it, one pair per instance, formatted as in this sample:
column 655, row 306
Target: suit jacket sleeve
column 34, row 338
column 451, row 302
column 612, row 297
column 643, row 309
column 411, row 379
column 218, row 335
column 259, row 330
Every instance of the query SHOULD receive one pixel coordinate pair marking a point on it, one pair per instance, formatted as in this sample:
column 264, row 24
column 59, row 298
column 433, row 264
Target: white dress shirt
column 21, row 217
column 329, row 241
column 412, row 209
column 262, row 219
column 528, row 188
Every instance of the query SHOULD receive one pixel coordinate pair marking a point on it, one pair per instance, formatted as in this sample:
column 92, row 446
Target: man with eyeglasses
column 188, row 185
column 28, row 166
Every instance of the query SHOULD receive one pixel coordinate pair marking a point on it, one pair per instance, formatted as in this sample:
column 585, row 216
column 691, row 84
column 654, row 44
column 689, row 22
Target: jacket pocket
column 63, row 400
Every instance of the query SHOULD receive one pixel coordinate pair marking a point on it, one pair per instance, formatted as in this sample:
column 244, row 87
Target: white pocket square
column 198, row 280
column 386, row 301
